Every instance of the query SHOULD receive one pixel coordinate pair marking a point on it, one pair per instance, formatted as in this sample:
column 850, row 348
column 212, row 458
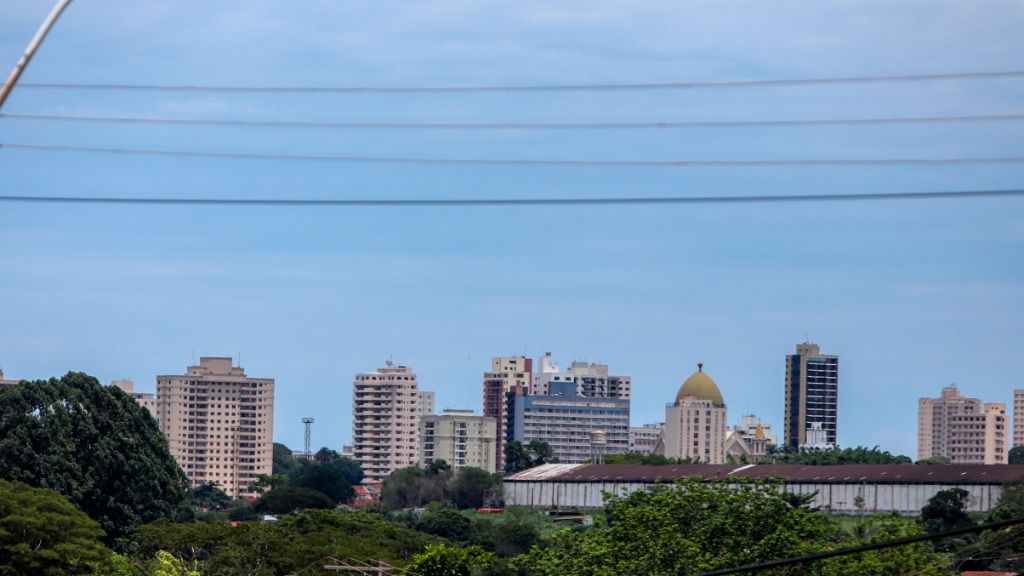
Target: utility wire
column 864, row 548
column 521, row 125
column 565, row 201
column 519, row 162
column 529, row 88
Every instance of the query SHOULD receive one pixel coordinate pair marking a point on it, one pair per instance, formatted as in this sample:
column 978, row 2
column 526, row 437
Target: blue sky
column 911, row 295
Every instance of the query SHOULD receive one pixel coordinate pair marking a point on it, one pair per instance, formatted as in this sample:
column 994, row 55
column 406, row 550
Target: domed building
column 695, row 423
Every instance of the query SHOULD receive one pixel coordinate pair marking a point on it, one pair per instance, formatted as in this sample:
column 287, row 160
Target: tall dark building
column 812, row 398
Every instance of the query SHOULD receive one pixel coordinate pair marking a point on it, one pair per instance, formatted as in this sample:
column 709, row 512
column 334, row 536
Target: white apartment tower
column 219, row 423
column 459, row 437
column 965, row 430
column 385, row 424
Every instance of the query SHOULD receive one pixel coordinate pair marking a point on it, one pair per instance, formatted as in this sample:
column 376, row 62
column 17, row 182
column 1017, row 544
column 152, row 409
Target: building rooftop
column 793, row 473
column 702, row 387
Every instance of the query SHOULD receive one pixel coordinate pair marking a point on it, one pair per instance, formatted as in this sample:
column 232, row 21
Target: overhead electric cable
column 521, row 125
column 875, row 79
column 564, row 201
column 735, row 163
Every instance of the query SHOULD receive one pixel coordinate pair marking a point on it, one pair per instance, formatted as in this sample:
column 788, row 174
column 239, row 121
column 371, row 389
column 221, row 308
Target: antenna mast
column 309, row 428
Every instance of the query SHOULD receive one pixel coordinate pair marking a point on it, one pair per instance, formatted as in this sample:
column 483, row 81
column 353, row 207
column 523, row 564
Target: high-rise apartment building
column 146, row 400
column 385, row 420
column 219, row 423
column 1018, row 418
column 695, row 424
column 812, row 395
column 459, row 437
column 965, row 430
column 426, row 403
column 508, row 375
column 581, row 404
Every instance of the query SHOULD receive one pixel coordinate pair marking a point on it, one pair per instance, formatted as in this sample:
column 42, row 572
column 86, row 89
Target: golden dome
column 701, row 387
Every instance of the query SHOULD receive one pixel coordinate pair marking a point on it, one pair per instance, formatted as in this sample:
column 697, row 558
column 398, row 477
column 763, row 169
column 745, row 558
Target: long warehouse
column 846, row 489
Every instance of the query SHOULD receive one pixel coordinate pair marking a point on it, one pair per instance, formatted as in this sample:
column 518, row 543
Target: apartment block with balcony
column 459, row 437
column 386, row 407
column 219, row 423
column 965, row 430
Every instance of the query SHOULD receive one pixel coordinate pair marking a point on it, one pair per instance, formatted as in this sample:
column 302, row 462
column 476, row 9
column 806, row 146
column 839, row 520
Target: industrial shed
column 847, row 489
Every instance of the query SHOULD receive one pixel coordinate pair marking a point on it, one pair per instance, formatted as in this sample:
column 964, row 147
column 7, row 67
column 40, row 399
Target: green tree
column 445, row 522
column 472, row 487
column 834, row 456
column 93, row 444
column 42, row 533
column 284, row 461
column 521, row 457
column 695, row 526
column 934, row 460
column 413, row 487
column 1016, row 455
column 347, row 467
column 289, row 499
column 209, row 497
column 946, row 510
column 444, row 560
column 325, row 480
column 165, row 564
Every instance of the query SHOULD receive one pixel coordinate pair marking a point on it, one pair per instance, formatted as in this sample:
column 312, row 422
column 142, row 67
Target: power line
column 484, row 202
column 864, row 548
column 877, row 79
column 521, row 125
column 519, row 162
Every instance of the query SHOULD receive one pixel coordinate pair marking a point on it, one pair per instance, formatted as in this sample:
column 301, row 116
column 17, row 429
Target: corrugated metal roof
column 851, row 473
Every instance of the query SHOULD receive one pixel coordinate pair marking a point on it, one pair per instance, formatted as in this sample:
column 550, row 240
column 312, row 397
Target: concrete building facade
column 582, row 412
column 812, row 395
column 695, row 424
column 385, row 420
column 459, row 437
column 219, row 423
column 1018, row 418
column 965, row 430
column 644, row 439
column 509, row 375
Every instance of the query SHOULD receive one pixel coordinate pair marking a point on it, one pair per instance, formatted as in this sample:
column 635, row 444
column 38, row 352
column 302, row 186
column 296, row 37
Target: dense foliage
column 697, row 526
column 42, row 533
column 93, row 444
column 646, row 459
column 519, row 457
column 816, row 457
column 444, row 560
column 414, row 487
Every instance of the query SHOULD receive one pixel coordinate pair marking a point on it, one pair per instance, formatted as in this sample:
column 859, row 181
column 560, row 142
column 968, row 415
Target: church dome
column 701, row 387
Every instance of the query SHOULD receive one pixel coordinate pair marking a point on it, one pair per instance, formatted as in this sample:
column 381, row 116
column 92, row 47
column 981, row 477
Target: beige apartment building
column 695, row 424
column 1018, row 418
column 146, row 400
column 385, row 420
column 459, row 437
column 965, row 430
column 219, row 423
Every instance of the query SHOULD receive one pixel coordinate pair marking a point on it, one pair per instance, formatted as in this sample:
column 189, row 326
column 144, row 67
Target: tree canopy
column 521, row 457
column 816, row 456
column 93, row 444
column 697, row 526
column 41, row 532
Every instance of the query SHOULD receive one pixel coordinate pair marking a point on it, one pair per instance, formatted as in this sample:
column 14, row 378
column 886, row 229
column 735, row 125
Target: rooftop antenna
column 309, row 428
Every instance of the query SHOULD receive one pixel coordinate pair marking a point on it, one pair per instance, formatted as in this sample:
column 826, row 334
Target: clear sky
column 912, row 295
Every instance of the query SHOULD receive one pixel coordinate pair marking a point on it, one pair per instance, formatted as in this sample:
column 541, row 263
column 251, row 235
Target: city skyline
column 283, row 432
column 913, row 295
